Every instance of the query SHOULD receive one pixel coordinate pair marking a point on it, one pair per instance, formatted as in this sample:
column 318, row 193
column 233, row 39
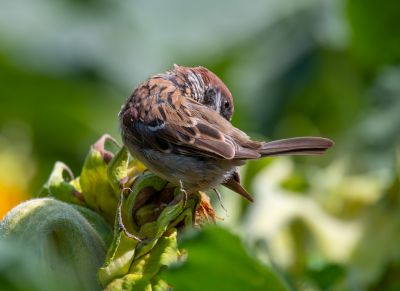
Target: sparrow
column 178, row 125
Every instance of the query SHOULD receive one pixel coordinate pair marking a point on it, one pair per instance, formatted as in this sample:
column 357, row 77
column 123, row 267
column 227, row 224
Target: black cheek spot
column 209, row 96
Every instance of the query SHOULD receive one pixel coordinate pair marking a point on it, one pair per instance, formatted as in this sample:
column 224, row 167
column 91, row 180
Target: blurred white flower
column 270, row 217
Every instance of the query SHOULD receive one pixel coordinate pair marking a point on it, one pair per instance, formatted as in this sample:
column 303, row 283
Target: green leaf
column 59, row 185
column 118, row 169
column 154, row 230
column 327, row 275
column 375, row 35
column 119, row 258
column 143, row 273
column 217, row 260
column 94, row 180
column 168, row 218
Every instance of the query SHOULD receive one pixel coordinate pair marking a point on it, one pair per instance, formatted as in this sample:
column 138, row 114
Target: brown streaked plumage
column 178, row 124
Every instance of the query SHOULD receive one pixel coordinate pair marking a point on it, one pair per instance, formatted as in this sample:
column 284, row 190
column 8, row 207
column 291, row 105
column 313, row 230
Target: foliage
column 231, row 268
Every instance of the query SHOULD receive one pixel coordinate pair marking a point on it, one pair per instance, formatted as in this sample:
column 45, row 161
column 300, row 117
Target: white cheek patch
column 157, row 127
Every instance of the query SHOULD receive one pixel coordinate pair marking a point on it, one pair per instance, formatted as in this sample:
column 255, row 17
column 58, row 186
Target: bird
column 178, row 124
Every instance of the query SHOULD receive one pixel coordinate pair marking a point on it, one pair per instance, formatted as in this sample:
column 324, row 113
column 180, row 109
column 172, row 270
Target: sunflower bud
column 69, row 241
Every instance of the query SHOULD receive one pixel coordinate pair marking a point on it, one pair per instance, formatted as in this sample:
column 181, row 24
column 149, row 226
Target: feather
column 296, row 146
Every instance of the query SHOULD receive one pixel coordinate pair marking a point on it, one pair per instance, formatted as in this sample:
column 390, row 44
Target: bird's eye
column 226, row 104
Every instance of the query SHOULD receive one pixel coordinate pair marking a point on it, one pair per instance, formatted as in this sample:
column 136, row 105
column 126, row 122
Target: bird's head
column 208, row 89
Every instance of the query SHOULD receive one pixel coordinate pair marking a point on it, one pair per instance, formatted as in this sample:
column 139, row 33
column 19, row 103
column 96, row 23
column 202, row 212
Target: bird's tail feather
column 296, row 146
column 236, row 187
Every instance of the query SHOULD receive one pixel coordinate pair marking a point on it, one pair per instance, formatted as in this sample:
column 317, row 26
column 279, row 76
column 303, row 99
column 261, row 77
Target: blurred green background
column 295, row 67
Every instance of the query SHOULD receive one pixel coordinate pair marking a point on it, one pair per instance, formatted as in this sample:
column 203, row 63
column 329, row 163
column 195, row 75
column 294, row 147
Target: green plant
column 119, row 221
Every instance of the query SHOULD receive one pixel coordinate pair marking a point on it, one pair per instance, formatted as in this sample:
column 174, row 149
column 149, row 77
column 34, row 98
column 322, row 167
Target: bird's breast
column 195, row 173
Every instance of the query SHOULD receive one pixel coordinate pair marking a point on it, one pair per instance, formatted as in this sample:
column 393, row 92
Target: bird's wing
column 187, row 127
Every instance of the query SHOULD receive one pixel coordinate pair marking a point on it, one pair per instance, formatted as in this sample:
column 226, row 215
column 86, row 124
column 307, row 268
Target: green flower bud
column 152, row 212
column 69, row 242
